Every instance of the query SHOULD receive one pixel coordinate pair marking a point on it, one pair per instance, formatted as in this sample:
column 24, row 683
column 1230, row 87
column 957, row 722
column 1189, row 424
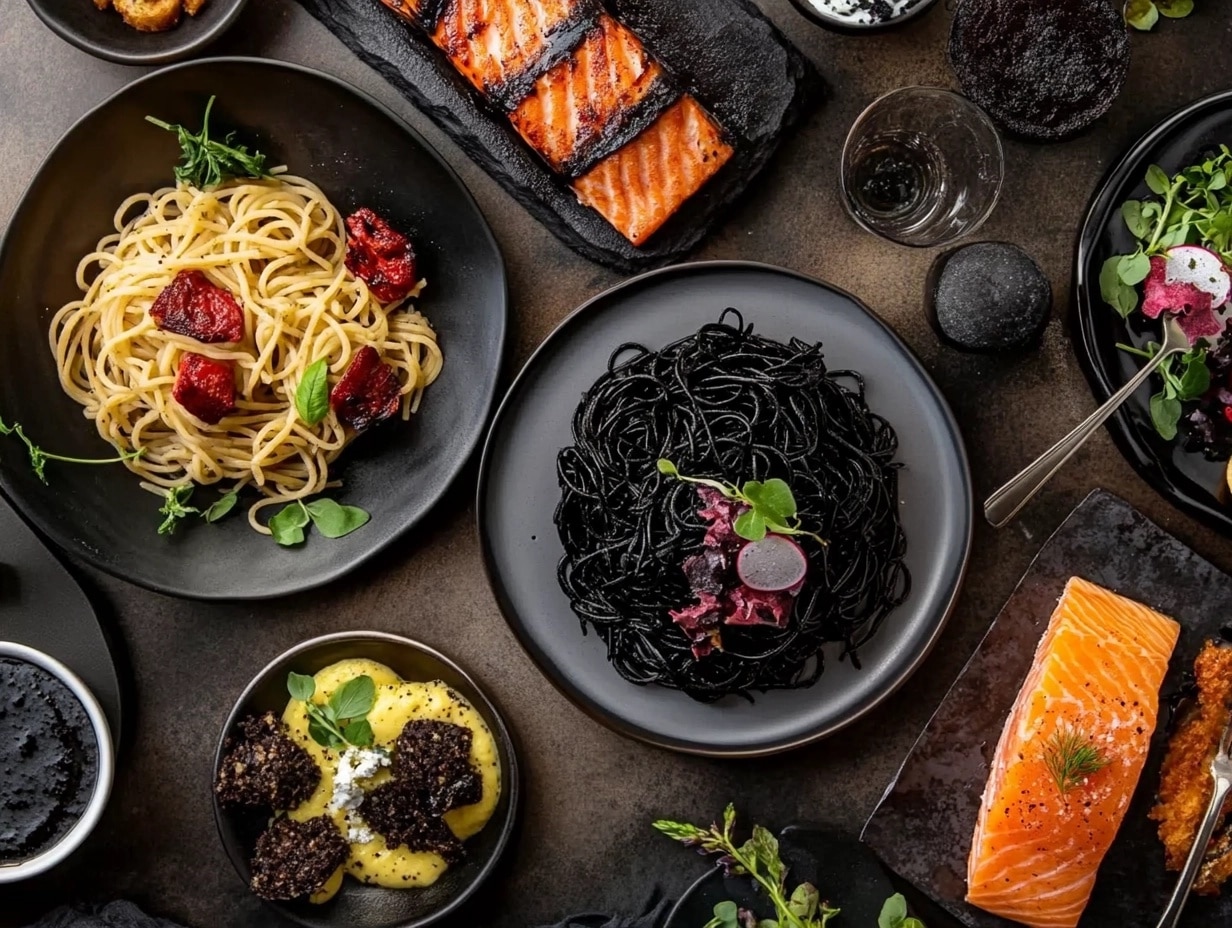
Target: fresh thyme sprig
column 1071, row 758
column 207, row 162
column 39, row 457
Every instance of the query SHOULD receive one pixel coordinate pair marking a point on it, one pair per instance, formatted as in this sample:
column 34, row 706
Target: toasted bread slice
column 192, row 6
column 149, row 15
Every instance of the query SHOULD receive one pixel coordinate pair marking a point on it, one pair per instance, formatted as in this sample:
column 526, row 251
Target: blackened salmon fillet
column 589, row 97
column 641, row 186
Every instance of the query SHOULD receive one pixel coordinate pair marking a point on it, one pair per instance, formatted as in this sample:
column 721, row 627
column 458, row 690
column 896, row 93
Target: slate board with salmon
column 627, row 127
column 924, row 826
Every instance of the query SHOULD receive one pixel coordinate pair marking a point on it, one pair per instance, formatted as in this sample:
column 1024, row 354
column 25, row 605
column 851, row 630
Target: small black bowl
column 104, row 34
column 809, row 11
column 358, row 905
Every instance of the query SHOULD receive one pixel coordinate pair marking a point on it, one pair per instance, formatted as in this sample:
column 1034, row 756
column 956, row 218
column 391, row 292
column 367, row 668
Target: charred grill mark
column 624, row 128
column 423, row 13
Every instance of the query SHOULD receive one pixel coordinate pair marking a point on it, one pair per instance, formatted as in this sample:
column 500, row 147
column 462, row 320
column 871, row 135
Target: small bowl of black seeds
column 858, row 17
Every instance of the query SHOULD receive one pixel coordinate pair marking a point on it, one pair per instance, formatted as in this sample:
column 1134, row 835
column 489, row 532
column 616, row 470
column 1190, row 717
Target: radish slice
column 1201, row 268
column 774, row 564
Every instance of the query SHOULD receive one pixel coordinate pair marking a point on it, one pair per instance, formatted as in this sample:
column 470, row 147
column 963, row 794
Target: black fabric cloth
column 655, row 915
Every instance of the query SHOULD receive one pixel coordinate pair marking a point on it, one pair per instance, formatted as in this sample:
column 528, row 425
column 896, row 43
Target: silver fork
column 1221, row 773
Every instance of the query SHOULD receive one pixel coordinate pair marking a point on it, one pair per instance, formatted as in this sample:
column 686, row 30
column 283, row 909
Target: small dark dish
column 104, row 34
column 358, row 905
column 914, row 12
column 360, row 154
column 1187, row 479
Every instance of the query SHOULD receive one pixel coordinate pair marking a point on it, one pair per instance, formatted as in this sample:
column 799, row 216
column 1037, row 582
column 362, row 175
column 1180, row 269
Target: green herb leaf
column 312, row 395
column 206, row 162
column 301, row 686
column 354, row 699
column 288, row 524
column 773, row 499
column 1118, row 295
column 766, row 847
column 1135, row 220
column 1196, row 378
column 667, row 467
column 322, row 734
column 1133, row 269
column 804, row 901
column 893, row 912
column 1165, row 415
column 221, row 506
column 1175, row 9
column 359, row 733
column 750, row 525
column 1071, row 758
column 333, row 520
column 727, row 914
column 1156, row 180
column 175, row 508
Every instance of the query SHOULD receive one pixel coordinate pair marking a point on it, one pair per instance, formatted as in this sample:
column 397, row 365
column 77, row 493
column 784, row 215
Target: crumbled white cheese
column 354, row 765
column 358, row 831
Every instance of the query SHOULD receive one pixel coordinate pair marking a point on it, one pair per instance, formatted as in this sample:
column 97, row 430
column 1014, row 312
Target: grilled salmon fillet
column 1093, row 693
column 642, row 185
column 585, row 96
column 1185, row 783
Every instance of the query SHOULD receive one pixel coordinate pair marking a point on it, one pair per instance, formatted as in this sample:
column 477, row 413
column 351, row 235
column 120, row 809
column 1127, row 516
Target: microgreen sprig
column 39, row 457
column 331, row 519
column 175, row 507
column 771, row 505
column 207, row 162
column 341, row 721
column 1071, row 758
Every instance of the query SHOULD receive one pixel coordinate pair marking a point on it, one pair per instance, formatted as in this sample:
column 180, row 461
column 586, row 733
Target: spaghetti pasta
column 279, row 246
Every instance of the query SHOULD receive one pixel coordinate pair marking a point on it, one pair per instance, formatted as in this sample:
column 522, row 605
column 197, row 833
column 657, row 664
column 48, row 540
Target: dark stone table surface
column 585, row 843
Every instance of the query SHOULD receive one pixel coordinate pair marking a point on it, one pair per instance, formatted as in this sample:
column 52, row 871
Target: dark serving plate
column 104, row 34
column 358, row 905
column 1191, row 482
column 100, row 514
column 725, row 52
column 518, row 492
column 923, row 827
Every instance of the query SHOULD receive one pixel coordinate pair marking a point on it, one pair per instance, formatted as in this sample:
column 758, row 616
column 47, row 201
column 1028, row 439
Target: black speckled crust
column 295, row 859
column 923, row 827
column 433, row 758
column 724, row 51
column 264, row 768
column 402, row 817
column 1043, row 70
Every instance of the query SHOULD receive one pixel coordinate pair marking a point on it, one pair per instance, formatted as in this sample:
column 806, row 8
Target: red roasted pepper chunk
column 205, row 387
column 191, row 305
column 368, row 392
column 380, row 256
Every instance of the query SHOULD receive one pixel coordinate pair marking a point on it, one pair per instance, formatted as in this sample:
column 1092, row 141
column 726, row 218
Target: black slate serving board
column 725, row 52
column 922, row 829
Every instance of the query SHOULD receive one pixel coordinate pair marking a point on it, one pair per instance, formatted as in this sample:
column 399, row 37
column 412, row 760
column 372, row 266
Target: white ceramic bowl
column 59, row 851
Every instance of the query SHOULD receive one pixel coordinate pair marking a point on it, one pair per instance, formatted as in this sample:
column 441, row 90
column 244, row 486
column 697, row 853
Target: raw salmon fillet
column 641, row 186
column 1096, row 676
column 580, row 98
column 491, row 42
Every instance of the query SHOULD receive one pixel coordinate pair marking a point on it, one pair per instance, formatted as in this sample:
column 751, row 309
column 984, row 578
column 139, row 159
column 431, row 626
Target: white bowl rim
column 81, row 829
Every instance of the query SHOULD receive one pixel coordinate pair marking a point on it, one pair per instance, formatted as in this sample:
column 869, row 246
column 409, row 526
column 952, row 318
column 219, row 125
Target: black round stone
column 988, row 297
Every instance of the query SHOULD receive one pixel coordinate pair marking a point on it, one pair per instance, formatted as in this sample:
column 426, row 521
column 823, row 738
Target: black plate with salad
column 1158, row 241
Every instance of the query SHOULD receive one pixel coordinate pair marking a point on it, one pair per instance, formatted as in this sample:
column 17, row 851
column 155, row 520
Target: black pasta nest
column 730, row 405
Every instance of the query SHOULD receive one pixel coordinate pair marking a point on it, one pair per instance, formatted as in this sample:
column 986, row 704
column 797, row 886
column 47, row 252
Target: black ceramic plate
column 35, row 585
column 360, row 154
column 922, row 829
column 846, row 874
column 358, row 905
column 1187, row 479
column 726, row 52
column 104, row 34
column 518, row 492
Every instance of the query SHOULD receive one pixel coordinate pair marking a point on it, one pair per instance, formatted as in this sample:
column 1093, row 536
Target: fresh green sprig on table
column 342, row 720
column 1144, row 14
column 207, row 162
column 329, row 517
column 39, row 457
column 771, row 505
column 1195, row 209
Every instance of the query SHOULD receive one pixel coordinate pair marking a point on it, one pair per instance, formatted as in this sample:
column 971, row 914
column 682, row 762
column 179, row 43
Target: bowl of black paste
column 58, row 762
column 988, row 297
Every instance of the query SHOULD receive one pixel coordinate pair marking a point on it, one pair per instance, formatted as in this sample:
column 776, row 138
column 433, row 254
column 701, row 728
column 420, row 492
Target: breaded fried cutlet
column 1185, row 784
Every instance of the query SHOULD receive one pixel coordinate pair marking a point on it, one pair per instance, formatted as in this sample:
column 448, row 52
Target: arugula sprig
column 1144, row 14
column 341, row 721
column 39, row 457
column 207, row 162
column 331, row 519
column 771, row 505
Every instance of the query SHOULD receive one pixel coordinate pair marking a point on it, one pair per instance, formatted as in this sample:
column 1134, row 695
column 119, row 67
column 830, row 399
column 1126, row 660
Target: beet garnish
column 380, row 256
column 205, row 387
column 368, row 392
column 193, row 306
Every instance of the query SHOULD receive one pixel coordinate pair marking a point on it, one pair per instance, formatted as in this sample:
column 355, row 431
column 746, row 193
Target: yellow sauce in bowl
column 398, row 701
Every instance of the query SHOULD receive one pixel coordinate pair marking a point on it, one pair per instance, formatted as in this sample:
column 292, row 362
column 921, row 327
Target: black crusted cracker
column 264, row 768
column 295, row 859
column 402, row 817
column 434, row 758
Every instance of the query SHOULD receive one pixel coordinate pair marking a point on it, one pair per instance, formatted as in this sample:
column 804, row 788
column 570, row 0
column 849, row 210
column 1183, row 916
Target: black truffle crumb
column 295, row 859
column 401, row 815
column 988, row 297
column 433, row 758
column 264, row 768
